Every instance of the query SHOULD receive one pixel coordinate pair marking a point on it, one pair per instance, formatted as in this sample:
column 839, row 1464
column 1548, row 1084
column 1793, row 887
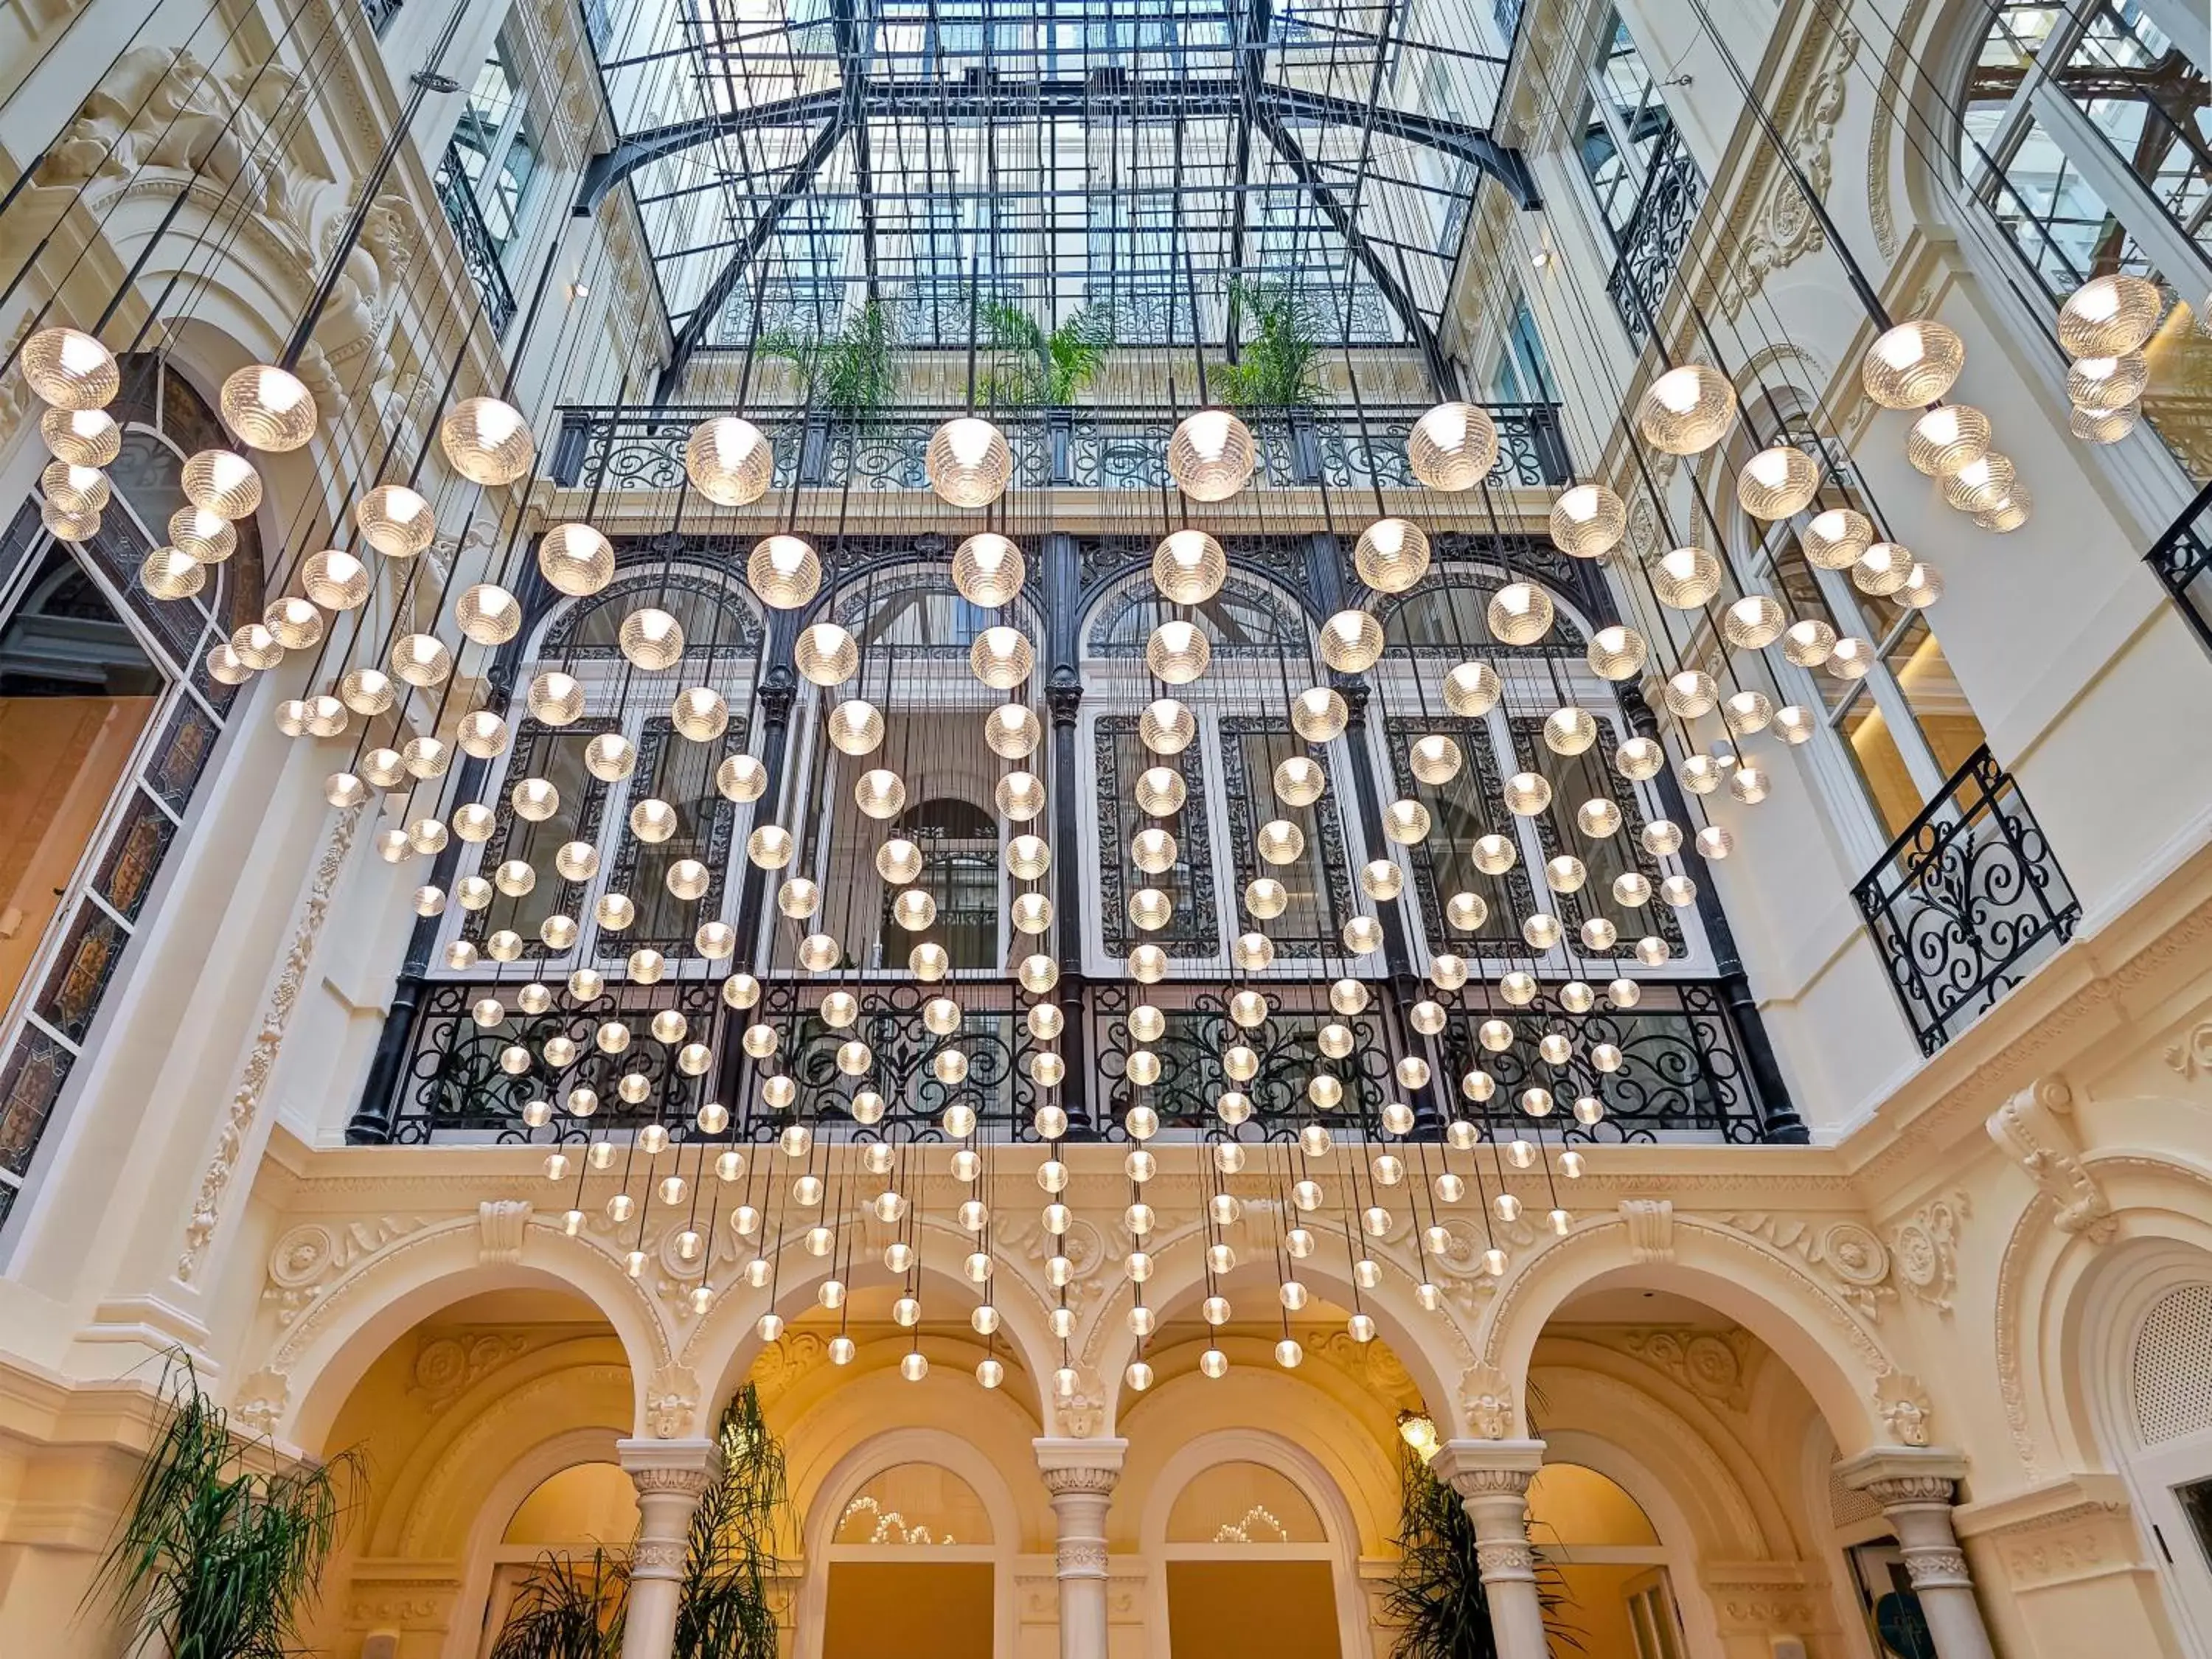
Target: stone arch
column 912, row 1444
column 1842, row 1365
column 721, row 1350
column 1429, row 1346
column 1305, row 1471
column 2061, row 1267
column 353, row 1315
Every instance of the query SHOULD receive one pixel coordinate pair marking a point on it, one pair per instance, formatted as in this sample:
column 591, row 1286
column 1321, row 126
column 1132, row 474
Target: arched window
column 913, row 1552
column 1896, row 736
column 1259, row 638
column 722, row 631
column 107, row 720
column 1249, row 1567
column 2084, row 136
column 1611, row 1567
column 1445, row 622
column 571, row 1516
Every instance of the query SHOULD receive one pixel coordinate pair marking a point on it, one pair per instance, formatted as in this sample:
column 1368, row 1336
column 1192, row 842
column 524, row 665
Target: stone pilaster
column 671, row 1477
column 1080, row 1474
column 1492, row 1478
column 1915, row 1486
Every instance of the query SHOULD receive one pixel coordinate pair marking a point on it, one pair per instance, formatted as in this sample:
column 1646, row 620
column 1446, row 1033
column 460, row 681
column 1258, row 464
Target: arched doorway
column 912, row 1555
column 571, row 1515
column 1609, row 1565
column 1250, row 1568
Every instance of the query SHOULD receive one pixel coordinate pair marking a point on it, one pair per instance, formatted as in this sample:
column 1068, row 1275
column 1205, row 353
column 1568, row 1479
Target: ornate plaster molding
column 1772, row 227
column 2036, row 1127
column 1924, row 1249
column 1650, row 1223
column 268, row 1043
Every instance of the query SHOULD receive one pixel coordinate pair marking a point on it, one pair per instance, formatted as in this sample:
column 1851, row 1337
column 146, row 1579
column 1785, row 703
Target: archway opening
column 571, row 1517
column 1248, row 1568
column 911, row 1566
column 1605, row 1556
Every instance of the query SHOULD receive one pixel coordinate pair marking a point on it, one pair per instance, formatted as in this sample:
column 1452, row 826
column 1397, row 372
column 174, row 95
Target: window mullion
column 2178, row 259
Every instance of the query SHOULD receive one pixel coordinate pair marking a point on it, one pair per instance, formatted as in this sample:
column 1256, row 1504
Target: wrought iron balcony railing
column 1652, row 246
column 2181, row 559
column 1966, row 902
column 1683, row 1073
column 479, row 252
column 1120, row 447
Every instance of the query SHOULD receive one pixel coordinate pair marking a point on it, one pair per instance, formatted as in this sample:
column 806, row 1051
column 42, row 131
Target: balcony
column 1683, row 1072
column 1650, row 248
column 479, row 252
column 1121, row 447
column 1966, row 902
column 2181, row 559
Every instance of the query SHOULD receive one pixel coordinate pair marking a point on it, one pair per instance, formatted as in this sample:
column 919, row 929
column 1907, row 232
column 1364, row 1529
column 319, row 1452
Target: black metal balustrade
column 1966, row 902
column 1650, row 248
column 2181, row 559
column 1680, row 1071
column 479, row 252
column 1121, row 447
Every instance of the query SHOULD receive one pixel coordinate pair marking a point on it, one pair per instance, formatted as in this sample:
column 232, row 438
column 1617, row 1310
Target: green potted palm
column 571, row 1609
column 847, row 374
column 223, row 1545
column 1031, row 369
column 1277, row 372
column 1436, row 1597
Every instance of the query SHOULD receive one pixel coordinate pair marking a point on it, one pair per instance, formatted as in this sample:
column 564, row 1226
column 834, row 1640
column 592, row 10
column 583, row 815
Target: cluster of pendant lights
column 1211, row 455
column 2103, row 326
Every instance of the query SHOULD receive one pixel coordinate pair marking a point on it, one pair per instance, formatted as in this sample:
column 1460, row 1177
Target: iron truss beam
column 1347, row 225
column 1106, row 95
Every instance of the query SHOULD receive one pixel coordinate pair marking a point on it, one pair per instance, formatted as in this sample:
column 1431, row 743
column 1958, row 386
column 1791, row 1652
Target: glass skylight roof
column 802, row 155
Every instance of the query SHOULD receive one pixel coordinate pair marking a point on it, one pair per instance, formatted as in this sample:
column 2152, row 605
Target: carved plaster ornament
column 2036, row 1126
column 1903, row 1406
column 502, row 1223
column 1924, row 1248
column 1485, row 1399
column 671, row 1401
column 1650, row 1223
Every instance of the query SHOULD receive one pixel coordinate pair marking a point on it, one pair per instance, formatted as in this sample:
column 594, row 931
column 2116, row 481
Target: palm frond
column 566, row 1609
column 1279, row 366
column 726, row 1611
column 1435, row 1596
column 215, row 1558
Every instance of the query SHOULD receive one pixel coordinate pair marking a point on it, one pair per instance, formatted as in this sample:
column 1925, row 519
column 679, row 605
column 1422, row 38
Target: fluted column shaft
column 1492, row 1478
column 671, row 1476
column 1915, row 1486
column 1080, row 1474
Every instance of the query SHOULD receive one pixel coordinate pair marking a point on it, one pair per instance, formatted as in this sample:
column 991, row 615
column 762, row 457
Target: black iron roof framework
column 1054, row 151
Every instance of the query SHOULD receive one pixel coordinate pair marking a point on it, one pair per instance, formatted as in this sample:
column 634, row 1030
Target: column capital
column 1487, row 1468
column 1091, row 1466
column 683, row 1467
column 1904, row 1475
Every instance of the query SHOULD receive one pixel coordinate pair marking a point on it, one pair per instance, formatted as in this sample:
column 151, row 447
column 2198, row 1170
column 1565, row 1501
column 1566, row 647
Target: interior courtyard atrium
column 1106, row 828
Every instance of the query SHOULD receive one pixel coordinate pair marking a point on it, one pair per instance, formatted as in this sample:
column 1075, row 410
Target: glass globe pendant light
column 2109, row 316
column 1686, row 410
column 1211, row 455
column 988, row 570
column 1777, row 482
column 1946, row 438
column 968, row 462
column 1913, row 364
column 1588, row 522
column 70, row 370
column 783, row 572
column 729, row 461
column 398, row 523
column 268, row 408
column 1391, row 556
column 1189, row 567
column 1453, row 447
column 488, row 442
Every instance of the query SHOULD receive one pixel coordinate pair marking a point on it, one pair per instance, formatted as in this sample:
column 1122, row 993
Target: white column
column 1080, row 1474
column 1914, row 1485
column 1491, row 1479
column 669, row 1476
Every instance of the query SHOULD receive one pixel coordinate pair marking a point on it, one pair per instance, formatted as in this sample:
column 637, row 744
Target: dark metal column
column 1060, row 563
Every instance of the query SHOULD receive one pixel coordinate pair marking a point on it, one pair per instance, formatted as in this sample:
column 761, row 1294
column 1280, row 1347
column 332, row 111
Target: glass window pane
column 1320, row 892
column 960, row 869
column 1575, row 779
column 1460, row 812
column 682, row 773
column 1873, row 749
column 1937, row 700
column 76, row 692
column 557, row 756
column 1194, row 930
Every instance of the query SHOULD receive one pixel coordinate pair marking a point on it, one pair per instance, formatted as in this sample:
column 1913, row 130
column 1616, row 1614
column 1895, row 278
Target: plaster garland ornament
column 268, row 1043
column 1924, row 1249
